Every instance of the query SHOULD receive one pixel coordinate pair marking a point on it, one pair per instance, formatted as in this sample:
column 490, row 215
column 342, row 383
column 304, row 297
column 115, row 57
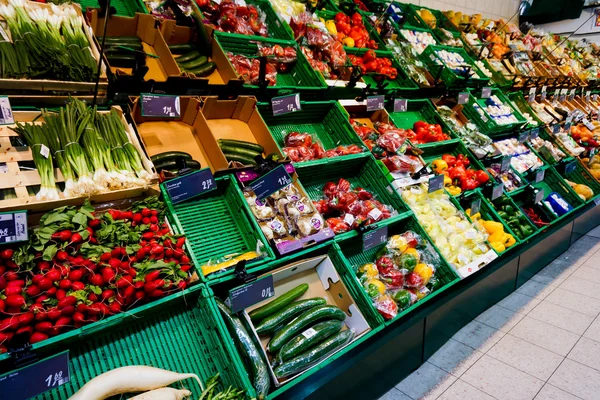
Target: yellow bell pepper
column 424, row 271
column 413, row 252
column 492, row 227
column 348, row 42
column 330, row 25
column 370, row 270
column 440, row 166
column 453, row 190
column 398, row 242
column 497, row 237
column 498, row 247
column 510, row 240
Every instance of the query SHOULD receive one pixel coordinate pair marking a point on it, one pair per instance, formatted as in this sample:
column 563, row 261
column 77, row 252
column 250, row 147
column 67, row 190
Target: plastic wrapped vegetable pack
column 522, row 159
column 510, row 180
column 305, row 147
column 402, row 273
column 479, row 143
column 235, row 17
column 459, row 170
column 458, row 240
column 279, row 60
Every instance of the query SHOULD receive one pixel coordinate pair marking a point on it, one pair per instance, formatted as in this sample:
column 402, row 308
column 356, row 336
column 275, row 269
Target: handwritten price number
column 207, row 184
column 291, row 108
column 3, row 232
column 284, row 181
column 54, row 380
column 266, row 293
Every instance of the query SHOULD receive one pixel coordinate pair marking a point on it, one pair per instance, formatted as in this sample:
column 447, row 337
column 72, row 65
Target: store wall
column 488, row 8
column 583, row 27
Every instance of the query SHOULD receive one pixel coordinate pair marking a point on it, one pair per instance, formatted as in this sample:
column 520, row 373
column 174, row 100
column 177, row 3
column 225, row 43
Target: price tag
column 13, row 227
column 400, row 105
column 556, row 94
column 37, row 378
column 531, row 97
column 572, row 95
column 588, row 124
column 251, row 293
column 486, row 92
column 563, row 95
column 555, row 128
column 597, row 200
column 587, row 96
column 594, row 97
column 505, row 163
column 375, row 237
column 44, row 151
column 539, row 196
column 570, row 167
column 271, row 182
column 534, row 133
column 436, row 183
column 523, row 136
column 6, row 115
column 475, row 206
column 539, row 176
column 160, row 105
column 375, row 103
column 497, row 191
column 190, row 185
column 543, row 94
column 463, row 97
column 286, row 104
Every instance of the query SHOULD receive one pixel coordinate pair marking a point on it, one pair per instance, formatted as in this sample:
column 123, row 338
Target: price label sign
column 497, row 191
column 375, row 237
column 190, row 185
column 400, row 105
column 251, row 293
column 539, row 176
column 436, row 183
column 463, row 98
column 375, row 103
column 523, row 136
column 13, row 227
column 160, row 105
column 570, row 167
column 486, row 92
column 531, row 97
column 543, row 93
column 572, row 95
column 534, row 133
column 563, row 95
column 539, row 196
column 594, row 97
column 597, row 200
column 505, row 163
column 35, row 379
column 587, row 96
column 286, row 104
column 475, row 206
column 556, row 94
column 6, row 115
column 271, row 182
column 555, row 128
column 588, row 124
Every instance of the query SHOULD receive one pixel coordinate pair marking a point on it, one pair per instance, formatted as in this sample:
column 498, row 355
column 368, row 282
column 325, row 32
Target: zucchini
column 119, row 39
column 239, row 150
column 240, row 143
column 195, row 63
column 258, row 367
column 168, row 155
column 239, row 158
column 172, row 165
column 306, row 318
column 277, row 304
column 269, row 324
column 192, row 55
column 203, row 70
column 309, row 338
column 181, row 48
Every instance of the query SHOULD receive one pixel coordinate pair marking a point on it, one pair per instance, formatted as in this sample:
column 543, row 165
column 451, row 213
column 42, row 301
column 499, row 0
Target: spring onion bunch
column 77, row 42
column 51, row 128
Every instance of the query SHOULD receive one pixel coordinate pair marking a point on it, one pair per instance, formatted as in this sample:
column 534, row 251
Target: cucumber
column 203, row 70
column 192, row 55
column 306, row 318
column 169, row 155
column 304, row 361
column 259, row 372
column 277, row 304
column 309, row 338
column 239, row 158
column 117, row 40
column 181, row 48
column 240, row 143
column 287, row 314
column 239, row 150
column 115, row 48
column 195, row 63
column 172, row 165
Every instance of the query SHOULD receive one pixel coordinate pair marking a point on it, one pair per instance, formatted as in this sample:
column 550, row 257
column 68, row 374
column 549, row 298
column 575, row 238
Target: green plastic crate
column 581, row 176
column 486, row 123
column 325, row 120
column 354, row 257
column 216, row 224
column 327, row 15
column 493, row 207
column 402, row 81
column 124, row 8
column 441, row 20
column 437, row 67
column 361, row 171
column 301, row 77
column 400, row 32
column 183, row 335
column 498, row 78
column 523, row 106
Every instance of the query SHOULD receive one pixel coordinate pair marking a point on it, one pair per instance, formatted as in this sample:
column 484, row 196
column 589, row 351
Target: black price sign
column 543, row 94
column 531, row 95
column 534, row 133
column 539, row 196
column 486, row 92
column 497, row 191
column 375, row 103
column 35, row 379
column 13, row 227
column 436, row 183
column 160, row 105
column 570, row 167
column 271, row 182
column 400, row 105
column 251, row 293
column 523, row 136
column 286, row 104
column 505, row 163
column 539, row 176
column 572, row 95
column 190, row 185
column 475, row 206
column 6, row 115
column 555, row 128
column 375, row 237
column 463, row 97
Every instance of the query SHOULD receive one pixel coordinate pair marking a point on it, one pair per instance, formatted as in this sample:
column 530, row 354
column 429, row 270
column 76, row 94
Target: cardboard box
column 324, row 281
column 143, row 26
column 188, row 133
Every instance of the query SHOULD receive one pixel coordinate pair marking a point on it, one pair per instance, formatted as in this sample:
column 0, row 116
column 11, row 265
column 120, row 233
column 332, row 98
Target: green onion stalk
column 51, row 127
column 36, row 140
column 77, row 42
column 17, row 31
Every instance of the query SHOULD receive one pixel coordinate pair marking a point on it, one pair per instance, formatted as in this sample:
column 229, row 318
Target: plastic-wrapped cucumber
column 305, row 319
column 309, row 338
column 304, row 361
column 259, row 371
column 269, row 324
column 275, row 305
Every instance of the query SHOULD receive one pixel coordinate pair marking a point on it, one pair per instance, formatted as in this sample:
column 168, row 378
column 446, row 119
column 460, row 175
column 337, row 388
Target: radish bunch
column 81, row 266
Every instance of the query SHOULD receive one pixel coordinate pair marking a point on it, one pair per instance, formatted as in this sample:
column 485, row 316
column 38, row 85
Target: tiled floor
column 542, row 342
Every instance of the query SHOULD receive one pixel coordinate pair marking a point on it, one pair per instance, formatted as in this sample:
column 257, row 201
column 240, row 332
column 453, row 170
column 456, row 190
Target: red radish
column 123, row 266
column 153, row 220
column 65, row 284
column 94, row 223
column 154, row 228
column 96, row 280
column 129, row 291
column 124, row 282
column 90, row 231
column 107, row 294
column 178, row 253
column 138, row 285
column 76, row 238
column 62, row 236
column 180, row 242
column 146, row 221
column 157, row 293
column 92, row 297
column 67, row 301
column 33, row 291
column 78, row 286
column 44, row 265
column 169, row 252
column 182, row 285
column 52, row 291
column 132, row 272
column 184, row 260
column 140, row 255
column 168, row 243
column 6, row 254
column 37, row 337
column 148, row 236
column 77, row 261
column 115, row 214
column 3, row 337
column 25, row 330
column 126, row 215
column 11, row 264
column 11, row 276
column 105, row 257
column 78, row 317
column 66, row 311
column 108, row 274
column 63, row 321
column 185, row 268
column 3, row 283
column 157, row 249
column 61, row 255
column 18, row 283
column 139, row 295
column 43, row 326
column 114, row 307
column 2, row 305
column 150, row 287
column 61, row 294
column 37, row 278
column 13, row 290
column 146, row 212
column 41, row 298
column 53, row 314
column 53, row 275
column 151, row 276
column 154, row 212
column 26, row 318
column 15, row 300
column 75, row 275
column 114, row 263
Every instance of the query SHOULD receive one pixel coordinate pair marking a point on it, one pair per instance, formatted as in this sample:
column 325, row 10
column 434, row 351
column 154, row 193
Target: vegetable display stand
column 218, row 224
column 354, row 257
column 183, row 335
column 498, row 77
column 432, row 18
column 580, row 176
column 325, row 120
column 476, row 109
column 360, row 172
column 124, row 8
column 402, row 82
column 524, row 108
column 456, row 74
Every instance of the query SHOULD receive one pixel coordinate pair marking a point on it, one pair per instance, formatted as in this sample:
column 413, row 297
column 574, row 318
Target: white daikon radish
column 135, row 378
column 166, row 393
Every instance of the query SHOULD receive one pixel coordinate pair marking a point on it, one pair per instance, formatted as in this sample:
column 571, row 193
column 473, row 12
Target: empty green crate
column 402, row 81
column 301, row 77
column 183, row 335
column 486, row 123
column 581, row 176
column 327, row 121
column 505, row 200
column 361, row 171
column 437, row 67
column 124, row 8
column 217, row 224
column 354, row 256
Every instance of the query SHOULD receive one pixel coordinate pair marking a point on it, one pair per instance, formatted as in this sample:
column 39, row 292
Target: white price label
column 349, row 219
column 6, row 115
column 44, row 150
column 375, row 214
column 310, row 332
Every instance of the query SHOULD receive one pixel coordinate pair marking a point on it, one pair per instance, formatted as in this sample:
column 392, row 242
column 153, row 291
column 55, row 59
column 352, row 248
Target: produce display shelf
column 486, row 123
column 437, row 65
column 124, row 8
column 402, row 82
column 354, row 256
column 498, row 78
column 217, row 224
column 581, row 176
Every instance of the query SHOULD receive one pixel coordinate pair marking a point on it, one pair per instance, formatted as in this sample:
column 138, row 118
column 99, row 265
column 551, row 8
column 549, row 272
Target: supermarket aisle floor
column 542, row 342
